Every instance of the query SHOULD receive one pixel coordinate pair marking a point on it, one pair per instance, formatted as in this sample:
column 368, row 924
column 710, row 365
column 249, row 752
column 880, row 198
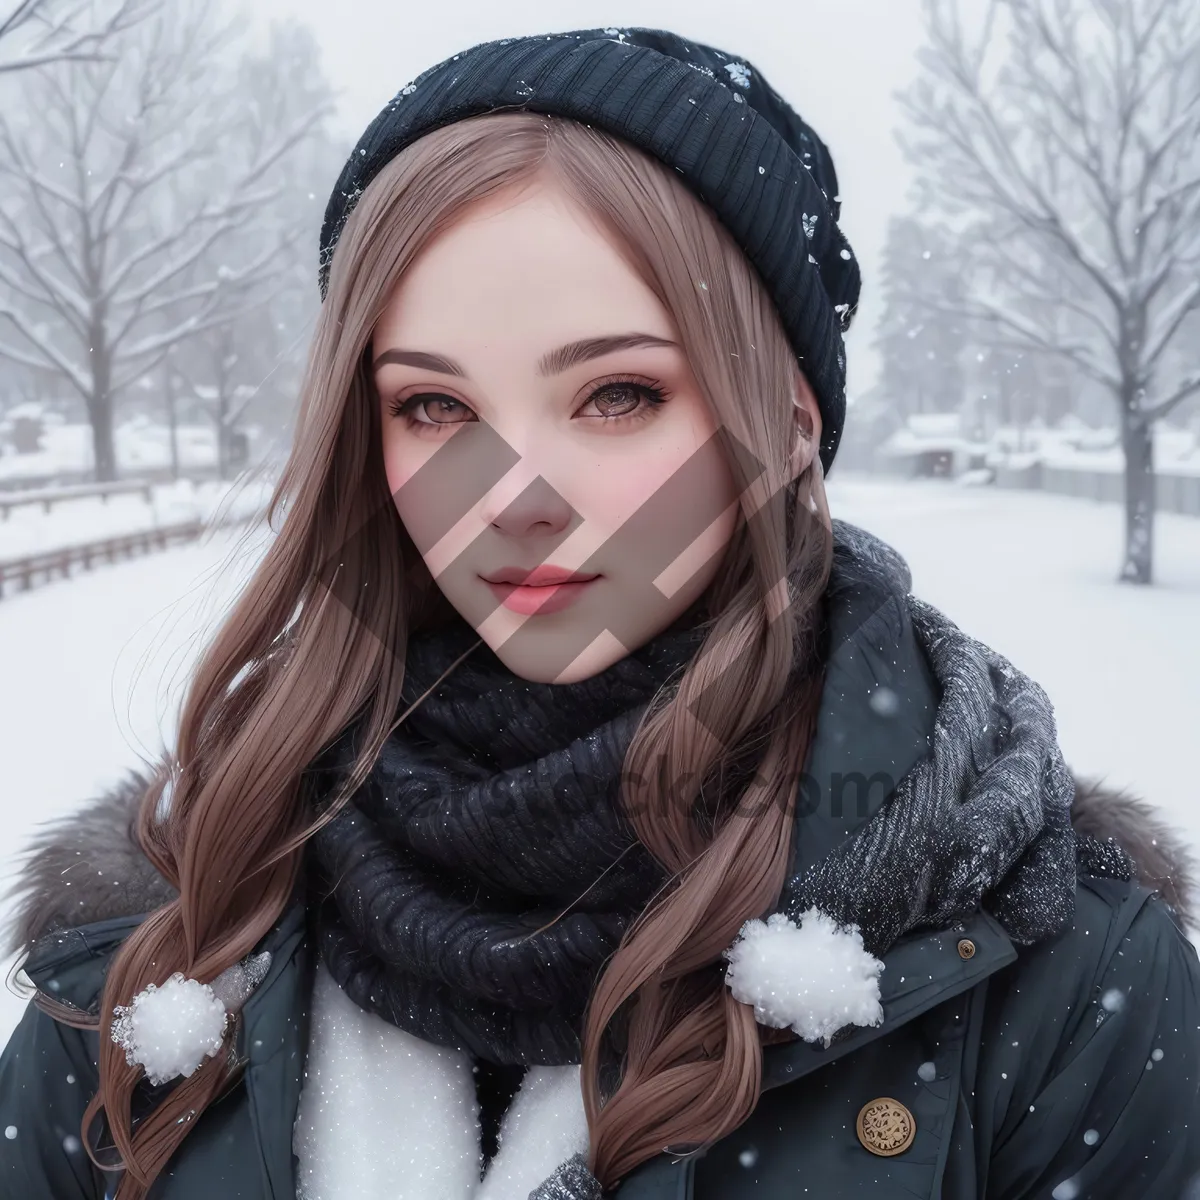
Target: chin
column 545, row 658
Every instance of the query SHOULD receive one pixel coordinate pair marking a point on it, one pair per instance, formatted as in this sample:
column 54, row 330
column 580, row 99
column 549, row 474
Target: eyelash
column 653, row 393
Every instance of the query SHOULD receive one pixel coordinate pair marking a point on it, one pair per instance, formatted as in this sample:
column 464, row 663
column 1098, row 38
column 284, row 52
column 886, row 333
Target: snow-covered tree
column 1063, row 137
column 138, row 206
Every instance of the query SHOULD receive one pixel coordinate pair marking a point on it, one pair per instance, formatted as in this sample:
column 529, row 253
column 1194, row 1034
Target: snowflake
column 739, row 73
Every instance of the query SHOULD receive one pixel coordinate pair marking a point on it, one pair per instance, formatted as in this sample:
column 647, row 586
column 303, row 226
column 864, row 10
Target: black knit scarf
column 490, row 814
column 482, row 873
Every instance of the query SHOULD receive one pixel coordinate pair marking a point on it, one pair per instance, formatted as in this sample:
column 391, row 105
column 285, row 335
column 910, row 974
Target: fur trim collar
column 88, row 867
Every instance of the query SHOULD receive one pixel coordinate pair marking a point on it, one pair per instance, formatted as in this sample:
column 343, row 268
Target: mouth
column 540, row 591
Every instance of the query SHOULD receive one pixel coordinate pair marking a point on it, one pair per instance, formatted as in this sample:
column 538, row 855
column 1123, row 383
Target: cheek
column 418, row 496
column 665, row 494
column 399, row 464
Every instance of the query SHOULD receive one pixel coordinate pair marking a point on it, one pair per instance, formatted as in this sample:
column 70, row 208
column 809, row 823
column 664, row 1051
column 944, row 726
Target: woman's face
column 540, row 421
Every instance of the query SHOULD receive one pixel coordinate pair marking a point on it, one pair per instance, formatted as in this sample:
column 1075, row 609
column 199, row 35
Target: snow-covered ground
column 29, row 529
column 90, row 679
column 92, row 668
column 139, row 443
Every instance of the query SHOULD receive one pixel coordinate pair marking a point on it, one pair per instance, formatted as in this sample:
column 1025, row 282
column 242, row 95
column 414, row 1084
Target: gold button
column 966, row 948
column 886, row 1127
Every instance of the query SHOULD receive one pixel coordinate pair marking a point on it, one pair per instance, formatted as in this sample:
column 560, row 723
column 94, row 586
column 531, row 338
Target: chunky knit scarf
column 482, row 875
column 984, row 820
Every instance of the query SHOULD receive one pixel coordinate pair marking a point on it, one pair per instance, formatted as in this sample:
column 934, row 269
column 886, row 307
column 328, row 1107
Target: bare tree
column 1064, row 138
column 138, row 210
column 59, row 32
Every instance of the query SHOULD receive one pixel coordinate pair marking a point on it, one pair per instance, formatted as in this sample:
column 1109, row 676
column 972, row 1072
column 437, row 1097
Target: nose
column 520, row 506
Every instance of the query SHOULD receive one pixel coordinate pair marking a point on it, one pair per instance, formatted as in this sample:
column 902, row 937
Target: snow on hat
column 713, row 117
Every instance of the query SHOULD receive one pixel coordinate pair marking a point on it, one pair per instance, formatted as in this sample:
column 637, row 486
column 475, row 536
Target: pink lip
column 537, row 600
column 543, row 576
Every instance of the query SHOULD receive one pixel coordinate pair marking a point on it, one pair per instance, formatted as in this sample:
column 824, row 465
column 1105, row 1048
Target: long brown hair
column 318, row 636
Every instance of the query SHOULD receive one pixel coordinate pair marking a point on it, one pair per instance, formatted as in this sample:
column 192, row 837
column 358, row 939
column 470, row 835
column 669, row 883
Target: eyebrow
column 554, row 363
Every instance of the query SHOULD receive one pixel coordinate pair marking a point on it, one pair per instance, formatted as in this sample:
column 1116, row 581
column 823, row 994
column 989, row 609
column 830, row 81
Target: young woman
column 569, row 806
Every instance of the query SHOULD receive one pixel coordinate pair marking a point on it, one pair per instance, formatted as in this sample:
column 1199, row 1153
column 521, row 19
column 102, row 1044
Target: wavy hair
column 317, row 640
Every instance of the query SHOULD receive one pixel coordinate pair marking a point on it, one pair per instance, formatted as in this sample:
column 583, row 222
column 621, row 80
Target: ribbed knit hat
column 734, row 141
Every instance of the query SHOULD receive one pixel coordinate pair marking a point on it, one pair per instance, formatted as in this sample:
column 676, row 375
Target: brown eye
column 617, row 399
column 621, row 398
column 432, row 408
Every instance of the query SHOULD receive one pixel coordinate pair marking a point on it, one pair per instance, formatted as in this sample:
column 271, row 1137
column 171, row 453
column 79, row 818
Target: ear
column 808, row 425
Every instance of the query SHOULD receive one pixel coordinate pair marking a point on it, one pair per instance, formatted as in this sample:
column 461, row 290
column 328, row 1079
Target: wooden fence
column 23, row 574
column 48, row 497
column 22, row 483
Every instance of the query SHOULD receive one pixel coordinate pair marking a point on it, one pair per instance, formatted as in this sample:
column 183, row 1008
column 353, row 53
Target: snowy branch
column 51, row 356
column 1189, row 387
column 61, row 40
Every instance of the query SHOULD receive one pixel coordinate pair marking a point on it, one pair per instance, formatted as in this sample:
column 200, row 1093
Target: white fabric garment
column 384, row 1115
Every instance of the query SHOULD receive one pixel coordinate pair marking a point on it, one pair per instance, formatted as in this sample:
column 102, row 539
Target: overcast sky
column 839, row 62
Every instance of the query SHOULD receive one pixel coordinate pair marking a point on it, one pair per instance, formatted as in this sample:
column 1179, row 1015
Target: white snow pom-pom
column 170, row 1030
column 815, row 976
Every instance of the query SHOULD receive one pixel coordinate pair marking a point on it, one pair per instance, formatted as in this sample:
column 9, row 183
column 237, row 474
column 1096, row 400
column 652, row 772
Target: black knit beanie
column 734, row 141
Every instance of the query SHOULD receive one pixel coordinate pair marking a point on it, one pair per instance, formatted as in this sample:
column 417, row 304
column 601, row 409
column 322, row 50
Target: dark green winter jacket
column 1065, row 1071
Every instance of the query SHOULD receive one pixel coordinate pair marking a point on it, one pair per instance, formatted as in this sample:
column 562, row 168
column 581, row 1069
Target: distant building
column 930, row 445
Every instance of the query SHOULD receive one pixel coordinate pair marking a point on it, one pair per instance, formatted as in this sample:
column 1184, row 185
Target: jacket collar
column 920, row 972
column 877, row 710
